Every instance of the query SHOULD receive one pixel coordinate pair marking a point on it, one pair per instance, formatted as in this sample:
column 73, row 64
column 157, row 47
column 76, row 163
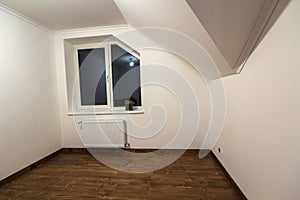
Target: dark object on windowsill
column 129, row 105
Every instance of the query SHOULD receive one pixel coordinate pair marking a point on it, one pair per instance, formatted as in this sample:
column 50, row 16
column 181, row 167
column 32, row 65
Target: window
column 108, row 76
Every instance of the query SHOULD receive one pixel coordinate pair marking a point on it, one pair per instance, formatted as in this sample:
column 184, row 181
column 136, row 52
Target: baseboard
column 228, row 175
column 74, row 150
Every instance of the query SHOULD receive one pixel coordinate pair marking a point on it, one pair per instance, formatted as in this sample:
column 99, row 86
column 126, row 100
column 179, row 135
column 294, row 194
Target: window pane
column 92, row 76
column 126, row 77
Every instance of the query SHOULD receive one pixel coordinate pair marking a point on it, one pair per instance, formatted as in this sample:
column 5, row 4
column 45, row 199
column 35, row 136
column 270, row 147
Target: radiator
column 104, row 133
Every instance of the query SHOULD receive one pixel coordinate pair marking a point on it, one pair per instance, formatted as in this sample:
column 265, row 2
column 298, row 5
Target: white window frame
column 109, row 83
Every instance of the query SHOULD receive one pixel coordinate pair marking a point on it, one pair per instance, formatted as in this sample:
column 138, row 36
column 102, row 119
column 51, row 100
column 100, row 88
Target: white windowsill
column 106, row 112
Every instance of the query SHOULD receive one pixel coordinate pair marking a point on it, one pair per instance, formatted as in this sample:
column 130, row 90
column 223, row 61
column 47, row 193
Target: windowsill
column 106, row 112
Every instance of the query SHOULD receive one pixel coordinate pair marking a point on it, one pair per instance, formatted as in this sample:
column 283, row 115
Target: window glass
column 125, row 76
column 92, row 76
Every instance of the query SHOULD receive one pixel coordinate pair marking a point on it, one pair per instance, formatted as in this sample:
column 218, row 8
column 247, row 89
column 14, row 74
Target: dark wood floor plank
column 77, row 175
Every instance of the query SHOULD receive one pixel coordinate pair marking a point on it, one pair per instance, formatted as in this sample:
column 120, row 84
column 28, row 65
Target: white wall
column 29, row 120
column 152, row 120
column 260, row 141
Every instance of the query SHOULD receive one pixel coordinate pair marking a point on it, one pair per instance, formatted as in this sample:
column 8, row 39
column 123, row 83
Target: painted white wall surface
column 260, row 141
column 159, row 123
column 29, row 119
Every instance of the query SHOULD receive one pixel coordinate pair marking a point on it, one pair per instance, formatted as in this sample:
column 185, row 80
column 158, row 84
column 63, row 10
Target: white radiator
column 104, row 133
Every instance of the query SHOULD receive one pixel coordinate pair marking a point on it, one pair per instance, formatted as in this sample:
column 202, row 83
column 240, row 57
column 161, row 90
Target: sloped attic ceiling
column 229, row 30
column 68, row 14
column 173, row 15
column 237, row 26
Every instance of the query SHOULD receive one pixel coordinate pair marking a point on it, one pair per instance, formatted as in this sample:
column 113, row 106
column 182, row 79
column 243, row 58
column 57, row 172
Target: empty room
column 150, row 99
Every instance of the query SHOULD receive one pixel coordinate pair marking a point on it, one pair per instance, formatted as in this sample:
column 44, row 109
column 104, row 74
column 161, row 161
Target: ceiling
column 229, row 31
column 237, row 26
column 174, row 15
column 228, row 22
column 69, row 14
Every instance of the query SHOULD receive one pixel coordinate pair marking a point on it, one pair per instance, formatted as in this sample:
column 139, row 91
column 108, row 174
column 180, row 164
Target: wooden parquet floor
column 78, row 175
